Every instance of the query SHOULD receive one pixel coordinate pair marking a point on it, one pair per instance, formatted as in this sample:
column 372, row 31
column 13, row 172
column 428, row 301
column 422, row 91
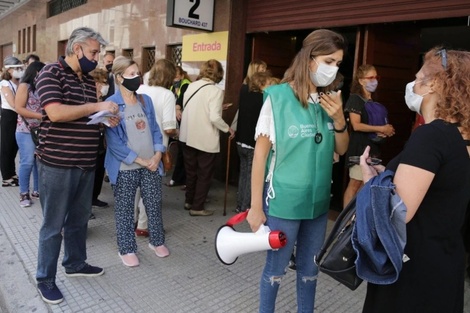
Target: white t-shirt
column 164, row 102
column 11, row 86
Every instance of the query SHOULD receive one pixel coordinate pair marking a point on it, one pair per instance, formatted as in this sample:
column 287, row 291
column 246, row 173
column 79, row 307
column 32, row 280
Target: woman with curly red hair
column 432, row 177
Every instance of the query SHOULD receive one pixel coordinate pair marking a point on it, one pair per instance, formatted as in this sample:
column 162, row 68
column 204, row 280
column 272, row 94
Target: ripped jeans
column 308, row 235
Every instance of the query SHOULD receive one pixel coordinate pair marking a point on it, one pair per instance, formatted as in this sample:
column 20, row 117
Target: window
column 55, row 7
column 175, row 53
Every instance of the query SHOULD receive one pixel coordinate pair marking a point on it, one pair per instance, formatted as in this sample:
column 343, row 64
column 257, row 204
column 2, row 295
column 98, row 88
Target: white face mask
column 104, row 90
column 18, row 74
column 413, row 100
column 324, row 75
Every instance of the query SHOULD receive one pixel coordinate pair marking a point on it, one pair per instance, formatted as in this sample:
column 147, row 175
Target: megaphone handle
column 237, row 218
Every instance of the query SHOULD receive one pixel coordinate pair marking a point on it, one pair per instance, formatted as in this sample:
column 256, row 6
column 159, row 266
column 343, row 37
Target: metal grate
column 128, row 53
column 176, row 54
column 148, row 58
column 55, row 7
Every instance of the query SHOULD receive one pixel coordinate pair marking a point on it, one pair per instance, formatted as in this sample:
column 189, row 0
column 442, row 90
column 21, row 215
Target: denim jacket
column 379, row 234
column 117, row 150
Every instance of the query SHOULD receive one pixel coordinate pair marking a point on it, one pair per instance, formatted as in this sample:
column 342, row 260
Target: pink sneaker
column 160, row 251
column 129, row 259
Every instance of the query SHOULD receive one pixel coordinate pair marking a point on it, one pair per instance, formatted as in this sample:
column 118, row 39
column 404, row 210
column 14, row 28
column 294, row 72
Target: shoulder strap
column 25, row 122
column 184, row 106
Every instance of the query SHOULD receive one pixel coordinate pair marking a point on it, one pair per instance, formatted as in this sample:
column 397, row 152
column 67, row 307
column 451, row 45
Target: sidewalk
column 191, row 279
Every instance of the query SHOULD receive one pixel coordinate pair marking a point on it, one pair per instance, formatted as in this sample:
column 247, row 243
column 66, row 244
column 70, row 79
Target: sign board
column 206, row 46
column 197, row 14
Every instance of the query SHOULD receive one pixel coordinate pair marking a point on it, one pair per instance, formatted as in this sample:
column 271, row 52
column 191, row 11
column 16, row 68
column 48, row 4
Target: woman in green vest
column 300, row 126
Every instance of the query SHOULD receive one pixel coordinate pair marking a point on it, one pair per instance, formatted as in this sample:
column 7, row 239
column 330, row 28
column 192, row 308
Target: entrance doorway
column 395, row 49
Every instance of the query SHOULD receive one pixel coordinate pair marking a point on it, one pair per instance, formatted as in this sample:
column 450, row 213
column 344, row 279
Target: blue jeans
column 27, row 162
column 308, row 236
column 66, row 204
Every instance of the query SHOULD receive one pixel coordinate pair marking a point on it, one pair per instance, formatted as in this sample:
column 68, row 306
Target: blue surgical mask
column 86, row 65
column 371, row 85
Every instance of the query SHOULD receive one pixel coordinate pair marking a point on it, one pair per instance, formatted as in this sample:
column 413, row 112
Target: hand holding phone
column 355, row 160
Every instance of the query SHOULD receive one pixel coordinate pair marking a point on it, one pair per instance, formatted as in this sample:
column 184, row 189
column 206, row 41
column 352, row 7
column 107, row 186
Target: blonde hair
column 120, row 64
column 162, row 73
column 213, row 70
column 319, row 42
column 255, row 66
column 259, row 81
column 100, row 75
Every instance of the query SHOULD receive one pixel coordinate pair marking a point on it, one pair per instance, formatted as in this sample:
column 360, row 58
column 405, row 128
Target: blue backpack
column 378, row 116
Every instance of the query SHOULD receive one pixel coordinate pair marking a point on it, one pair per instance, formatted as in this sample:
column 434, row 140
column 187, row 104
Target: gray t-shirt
column 139, row 135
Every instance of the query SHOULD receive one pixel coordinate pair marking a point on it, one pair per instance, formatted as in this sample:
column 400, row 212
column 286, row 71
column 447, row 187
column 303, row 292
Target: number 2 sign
column 197, row 14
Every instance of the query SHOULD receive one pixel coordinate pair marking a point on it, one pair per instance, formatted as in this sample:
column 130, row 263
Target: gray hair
column 81, row 35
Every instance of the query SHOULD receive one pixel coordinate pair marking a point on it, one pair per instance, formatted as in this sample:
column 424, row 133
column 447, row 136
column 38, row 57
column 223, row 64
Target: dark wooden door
column 395, row 52
column 277, row 50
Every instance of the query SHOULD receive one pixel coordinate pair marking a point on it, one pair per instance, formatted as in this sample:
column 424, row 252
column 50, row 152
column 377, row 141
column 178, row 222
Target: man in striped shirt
column 66, row 157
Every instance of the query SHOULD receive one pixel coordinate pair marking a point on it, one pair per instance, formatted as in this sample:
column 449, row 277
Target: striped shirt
column 66, row 144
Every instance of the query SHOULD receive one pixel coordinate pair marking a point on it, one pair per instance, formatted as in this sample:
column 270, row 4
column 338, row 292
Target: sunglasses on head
column 372, row 77
column 443, row 54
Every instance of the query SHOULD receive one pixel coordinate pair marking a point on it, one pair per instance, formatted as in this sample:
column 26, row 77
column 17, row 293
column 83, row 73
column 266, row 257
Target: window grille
column 128, row 53
column 148, row 59
column 177, row 54
column 55, row 7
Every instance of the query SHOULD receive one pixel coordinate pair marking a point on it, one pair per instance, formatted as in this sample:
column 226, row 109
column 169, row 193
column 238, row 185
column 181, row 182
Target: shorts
column 355, row 172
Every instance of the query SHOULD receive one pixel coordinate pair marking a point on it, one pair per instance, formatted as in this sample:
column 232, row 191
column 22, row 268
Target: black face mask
column 109, row 67
column 86, row 65
column 131, row 84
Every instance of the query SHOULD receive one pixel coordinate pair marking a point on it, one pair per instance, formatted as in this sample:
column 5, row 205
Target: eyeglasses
column 443, row 54
column 372, row 77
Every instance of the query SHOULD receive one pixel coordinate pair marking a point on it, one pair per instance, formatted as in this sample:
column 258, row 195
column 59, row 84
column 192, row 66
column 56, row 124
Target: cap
column 11, row 61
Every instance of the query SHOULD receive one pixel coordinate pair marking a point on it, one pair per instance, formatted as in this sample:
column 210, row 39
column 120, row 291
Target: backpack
column 378, row 116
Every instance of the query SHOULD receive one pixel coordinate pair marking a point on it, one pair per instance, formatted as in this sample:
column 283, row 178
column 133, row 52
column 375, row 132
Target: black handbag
column 336, row 257
column 34, row 131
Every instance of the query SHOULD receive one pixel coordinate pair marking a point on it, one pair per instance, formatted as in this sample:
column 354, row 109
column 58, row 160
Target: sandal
column 12, row 182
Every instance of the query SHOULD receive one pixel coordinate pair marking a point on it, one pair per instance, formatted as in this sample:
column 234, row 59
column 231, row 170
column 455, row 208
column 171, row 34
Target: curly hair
column 318, row 42
column 450, row 70
column 258, row 81
column 213, row 70
column 360, row 73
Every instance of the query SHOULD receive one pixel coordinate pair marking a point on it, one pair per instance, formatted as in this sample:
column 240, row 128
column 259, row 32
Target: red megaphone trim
column 277, row 239
column 237, row 218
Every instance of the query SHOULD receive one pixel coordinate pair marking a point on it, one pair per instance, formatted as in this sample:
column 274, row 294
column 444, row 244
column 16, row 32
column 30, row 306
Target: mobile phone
column 371, row 161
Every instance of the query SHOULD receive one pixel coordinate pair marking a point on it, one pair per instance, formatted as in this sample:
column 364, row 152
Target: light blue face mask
column 371, row 85
column 324, row 75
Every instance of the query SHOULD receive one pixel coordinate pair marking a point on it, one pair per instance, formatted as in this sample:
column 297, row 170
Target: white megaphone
column 229, row 244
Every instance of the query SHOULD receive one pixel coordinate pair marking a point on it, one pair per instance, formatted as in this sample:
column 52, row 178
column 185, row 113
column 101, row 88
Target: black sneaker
column 292, row 266
column 87, row 271
column 50, row 293
column 99, row 204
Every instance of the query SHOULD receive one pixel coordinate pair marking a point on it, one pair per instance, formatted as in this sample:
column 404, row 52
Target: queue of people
column 296, row 125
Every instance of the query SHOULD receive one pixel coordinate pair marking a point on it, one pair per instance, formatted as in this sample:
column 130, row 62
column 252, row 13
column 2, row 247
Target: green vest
column 301, row 181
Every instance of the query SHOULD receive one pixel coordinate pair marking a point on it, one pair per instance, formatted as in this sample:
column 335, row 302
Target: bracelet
column 342, row 130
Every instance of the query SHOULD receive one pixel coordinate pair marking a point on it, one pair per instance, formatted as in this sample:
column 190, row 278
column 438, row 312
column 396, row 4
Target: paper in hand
column 102, row 117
